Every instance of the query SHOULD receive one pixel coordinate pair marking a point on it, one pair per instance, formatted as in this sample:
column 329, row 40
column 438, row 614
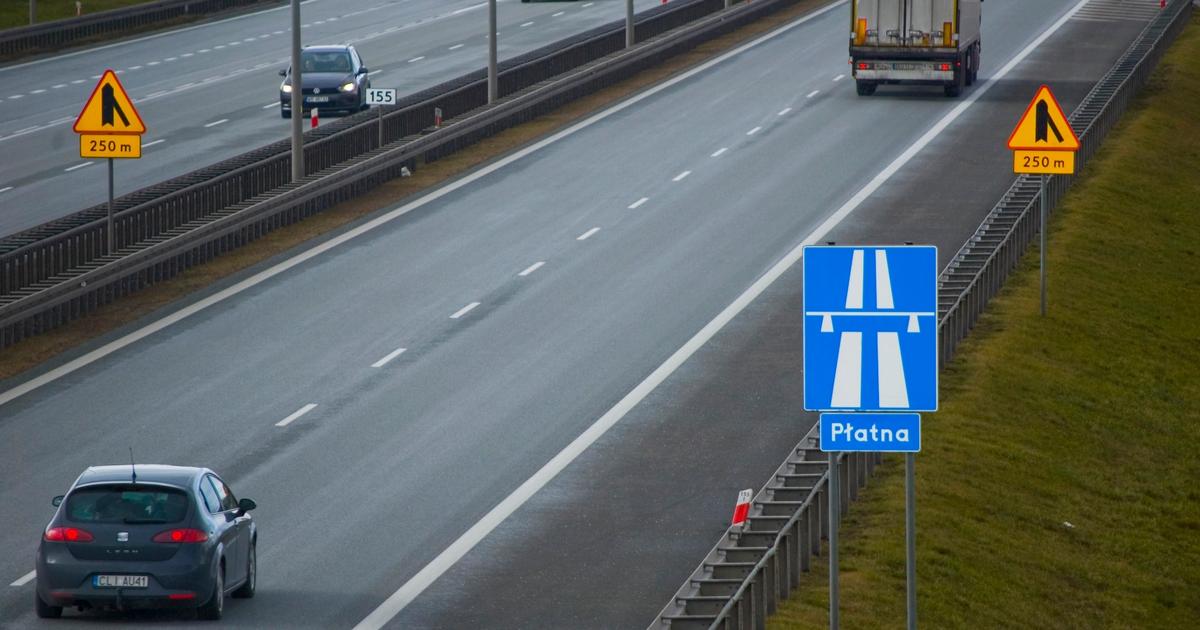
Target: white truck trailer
column 923, row 42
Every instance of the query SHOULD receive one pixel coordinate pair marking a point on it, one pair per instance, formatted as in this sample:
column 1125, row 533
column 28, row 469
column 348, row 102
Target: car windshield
column 127, row 504
column 330, row 61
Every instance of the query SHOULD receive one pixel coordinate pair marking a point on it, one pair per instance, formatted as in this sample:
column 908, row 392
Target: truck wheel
column 953, row 91
column 865, row 88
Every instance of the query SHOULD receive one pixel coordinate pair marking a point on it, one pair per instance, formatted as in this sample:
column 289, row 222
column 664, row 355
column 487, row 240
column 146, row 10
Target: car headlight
column 287, row 88
column 349, row 87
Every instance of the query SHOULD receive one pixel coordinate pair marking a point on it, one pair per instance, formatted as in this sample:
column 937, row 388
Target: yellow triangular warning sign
column 109, row 110
column 1044, row 126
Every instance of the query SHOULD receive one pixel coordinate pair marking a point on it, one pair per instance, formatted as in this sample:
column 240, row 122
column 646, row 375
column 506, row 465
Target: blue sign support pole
column 910, row 534
column 835, row 515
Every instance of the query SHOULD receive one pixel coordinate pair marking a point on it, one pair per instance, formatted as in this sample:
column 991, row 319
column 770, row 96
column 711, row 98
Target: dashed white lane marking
column 155, row 94
column 719, row 152
column 187, row 55
column 269, row 105
column 59, row 86
column 217, row 47
column 76, row 167
column 527, row 24
column 6, row 189
column 391, row 355
column 839, row 78
column 638, row 204
column 682, row 176
column 588, row 4
column 217, row 122
column 204, row 50
column 785, row 111
column 16, row 96
column 24, row 579
column 150, row 144
column 813, row 93
column 135, row 67
column 532, row 268
column 416, row 59
column 558, row 14
column 456, row 46
column 753, row 131
column 37, row 91
column 588, row 234
column 77, row 81
column 464, row 310
column 153, row 63
column 296, row 414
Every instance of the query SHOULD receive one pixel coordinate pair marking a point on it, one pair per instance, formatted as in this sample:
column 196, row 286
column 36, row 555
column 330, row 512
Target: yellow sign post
column 109, row 127
column 1044, row 144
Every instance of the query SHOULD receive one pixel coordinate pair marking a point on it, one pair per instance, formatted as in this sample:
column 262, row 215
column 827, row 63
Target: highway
column 211, row 91
column 655, row 225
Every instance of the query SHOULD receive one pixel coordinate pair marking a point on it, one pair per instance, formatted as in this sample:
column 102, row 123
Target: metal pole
column 835, row 513
column 297, row 98
column 910, row 534
column 493, row 82
column 630, row 40
column 112, row 236
column 380, row 109
column 1042, row 261
column 32, row 12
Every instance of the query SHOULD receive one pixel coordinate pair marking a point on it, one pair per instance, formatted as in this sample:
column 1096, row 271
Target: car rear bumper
column 340, row 100
column 186, row 580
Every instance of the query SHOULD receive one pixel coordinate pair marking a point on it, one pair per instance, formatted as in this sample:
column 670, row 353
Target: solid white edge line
column 588, row 234
column 464, row 310
column 409, row 591
column 296, row 414
column 391, row 355
column 532, row 268
column 24, row 579
column 220, row 296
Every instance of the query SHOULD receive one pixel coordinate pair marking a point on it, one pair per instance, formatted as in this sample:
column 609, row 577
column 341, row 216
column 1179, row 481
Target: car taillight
column 186, row 535
column 68, row 534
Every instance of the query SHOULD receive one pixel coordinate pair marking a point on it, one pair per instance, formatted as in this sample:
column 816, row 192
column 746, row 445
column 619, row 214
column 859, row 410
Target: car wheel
column 246, row 590
column 44, row 610
column 215, row 606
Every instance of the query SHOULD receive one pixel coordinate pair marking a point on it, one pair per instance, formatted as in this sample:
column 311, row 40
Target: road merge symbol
column 1043, row 141
column 109, row 125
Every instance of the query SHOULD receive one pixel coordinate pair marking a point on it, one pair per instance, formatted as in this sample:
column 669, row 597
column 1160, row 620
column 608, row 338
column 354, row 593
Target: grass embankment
column 36, row 350
column 1090, row 417
column 14, row 13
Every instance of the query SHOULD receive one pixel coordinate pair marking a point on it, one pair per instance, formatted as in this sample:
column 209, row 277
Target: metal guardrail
column 56, row 34
column 743, row 579
column 60, row 271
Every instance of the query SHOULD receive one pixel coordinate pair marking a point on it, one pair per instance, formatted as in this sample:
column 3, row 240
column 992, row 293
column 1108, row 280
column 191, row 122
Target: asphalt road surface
column 419, row 488
column 211, row 91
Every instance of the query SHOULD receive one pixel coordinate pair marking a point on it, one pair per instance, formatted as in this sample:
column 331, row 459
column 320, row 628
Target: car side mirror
column 245, row 505
column 56, row 501
column 283, row 73
column 363, row 70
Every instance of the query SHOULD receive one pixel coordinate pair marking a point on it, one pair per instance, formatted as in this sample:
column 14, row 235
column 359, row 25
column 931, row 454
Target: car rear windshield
column 127, row 504
column 332, row 61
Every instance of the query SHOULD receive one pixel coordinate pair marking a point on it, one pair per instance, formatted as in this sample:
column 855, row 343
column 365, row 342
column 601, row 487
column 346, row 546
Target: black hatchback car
column 146, row 536
column 334, row 79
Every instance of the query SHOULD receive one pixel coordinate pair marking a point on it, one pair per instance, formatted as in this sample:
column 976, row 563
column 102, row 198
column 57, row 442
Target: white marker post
column 378, row 97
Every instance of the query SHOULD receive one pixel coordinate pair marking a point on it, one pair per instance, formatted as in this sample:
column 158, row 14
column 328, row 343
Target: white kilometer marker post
column 299, row 412
column 391, row 355
column 24, row 579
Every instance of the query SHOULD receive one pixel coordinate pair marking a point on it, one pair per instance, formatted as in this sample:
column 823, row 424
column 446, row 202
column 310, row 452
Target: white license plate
column 908, row 66
column 317, row 99
column 121, row 581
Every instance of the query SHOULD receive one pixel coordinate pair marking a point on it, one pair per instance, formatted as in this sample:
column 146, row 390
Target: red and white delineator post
column 315, row 118
column 742, row 509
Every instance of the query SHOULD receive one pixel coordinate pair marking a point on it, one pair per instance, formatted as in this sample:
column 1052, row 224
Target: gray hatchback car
column 146, row 536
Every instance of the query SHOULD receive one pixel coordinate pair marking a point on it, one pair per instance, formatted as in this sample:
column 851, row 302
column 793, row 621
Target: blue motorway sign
column 871, row 432
column 870, row 328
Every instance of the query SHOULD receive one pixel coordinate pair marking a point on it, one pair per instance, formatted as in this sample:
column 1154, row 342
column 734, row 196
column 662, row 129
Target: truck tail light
column 68, row 534
column 944, row 67
column 862, row 65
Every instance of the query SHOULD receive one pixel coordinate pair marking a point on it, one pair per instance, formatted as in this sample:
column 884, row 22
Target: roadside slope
column 1057, row 485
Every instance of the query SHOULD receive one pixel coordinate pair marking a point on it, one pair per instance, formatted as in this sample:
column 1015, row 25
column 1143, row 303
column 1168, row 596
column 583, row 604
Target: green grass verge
column 14, row 13
column 1090, row 416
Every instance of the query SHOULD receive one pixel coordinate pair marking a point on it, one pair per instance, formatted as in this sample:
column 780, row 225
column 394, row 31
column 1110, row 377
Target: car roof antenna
column 132, row 469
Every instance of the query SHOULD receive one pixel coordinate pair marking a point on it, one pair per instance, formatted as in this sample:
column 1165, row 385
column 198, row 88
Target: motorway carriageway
column 571, row 287
column 211, row 91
